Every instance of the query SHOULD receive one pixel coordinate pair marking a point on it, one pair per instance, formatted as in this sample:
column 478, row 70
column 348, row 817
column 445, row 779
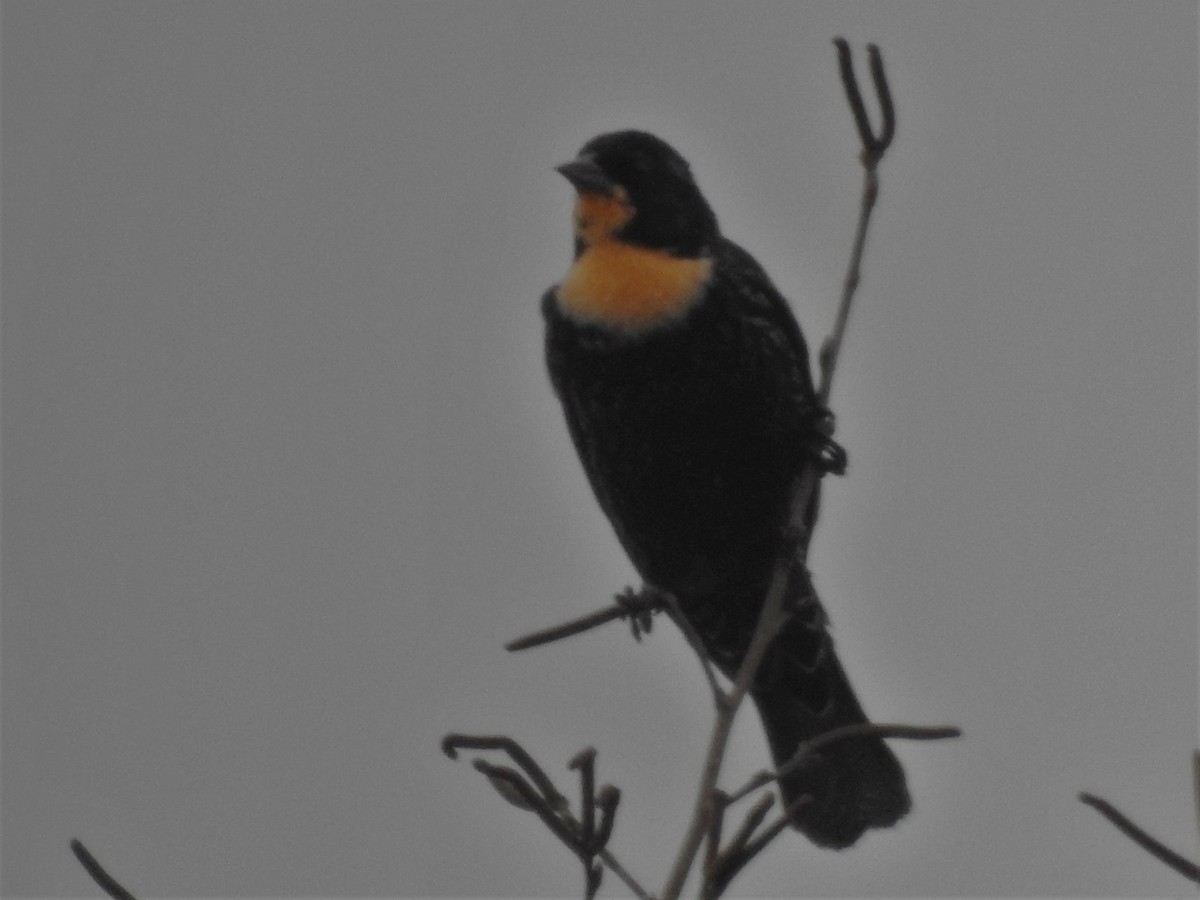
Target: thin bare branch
column 585, row 762
column 732, row 863
column 587, row 842
column 697, row 645
column 565, row 630
column 729, row 868
column 712, row 843
column 873, row 145
column 744, row 848
column 451, row 743
column 621, row 872
column 1135, row 833
column 770, row 621
column 753, row 818
column 606, row 801
column 873, row 149
column 884, row 93
column 107, row 883
column 833, row 345
column 806, row 750
column 509, row 782
column 636, row 606
column 511, row 785
column 773, row 830
column 793, row 552
column 853, row 95
column 591, row 840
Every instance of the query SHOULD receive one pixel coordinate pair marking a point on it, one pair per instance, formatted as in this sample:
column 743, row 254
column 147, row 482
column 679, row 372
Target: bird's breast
column 628, row 288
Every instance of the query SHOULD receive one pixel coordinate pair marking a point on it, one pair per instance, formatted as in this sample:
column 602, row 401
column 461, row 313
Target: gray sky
column 282, row 470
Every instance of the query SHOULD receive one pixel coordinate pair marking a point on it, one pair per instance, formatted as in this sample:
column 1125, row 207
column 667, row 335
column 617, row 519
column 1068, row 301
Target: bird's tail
column 853, row 783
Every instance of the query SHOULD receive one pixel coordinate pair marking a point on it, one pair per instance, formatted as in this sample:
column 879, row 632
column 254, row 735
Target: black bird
column 685, row 383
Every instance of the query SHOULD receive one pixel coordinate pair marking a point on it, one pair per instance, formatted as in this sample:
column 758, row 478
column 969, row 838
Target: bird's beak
column 587, row 177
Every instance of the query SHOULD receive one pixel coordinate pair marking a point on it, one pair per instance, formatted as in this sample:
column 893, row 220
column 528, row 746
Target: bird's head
column 634, row 188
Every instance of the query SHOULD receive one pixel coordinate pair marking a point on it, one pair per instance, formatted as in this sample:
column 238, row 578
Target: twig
column 585, row 763
column 770, row 620
column 514, row 788
column 621, row 872
column 712, row 844
column 772, row 616
column 772, row 831
column 807, row 749
column 853, row 95
column 873, row 148
column 731, row 863
column 746, row 846
column 585, row 837
column 1154, row 847
column 606, row 802
column 727, row 863
column 107, row 883
column 693, row 638
column 886, row 109
column 636, row 606
column 873, row 145
column 721, row 867
column 754, row 817
column 452, row 743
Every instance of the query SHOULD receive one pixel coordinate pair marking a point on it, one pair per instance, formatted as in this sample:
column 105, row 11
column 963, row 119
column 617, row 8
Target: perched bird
column 685, row 383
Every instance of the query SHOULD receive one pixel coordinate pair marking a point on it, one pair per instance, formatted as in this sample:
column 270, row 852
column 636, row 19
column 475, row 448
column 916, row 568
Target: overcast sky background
column 282, row 469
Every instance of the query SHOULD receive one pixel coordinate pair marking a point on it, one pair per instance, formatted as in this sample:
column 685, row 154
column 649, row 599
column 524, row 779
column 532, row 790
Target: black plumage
column 692, row 423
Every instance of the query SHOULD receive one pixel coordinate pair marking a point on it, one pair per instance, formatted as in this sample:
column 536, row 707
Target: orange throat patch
column 631, row 288
column 622, row 286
